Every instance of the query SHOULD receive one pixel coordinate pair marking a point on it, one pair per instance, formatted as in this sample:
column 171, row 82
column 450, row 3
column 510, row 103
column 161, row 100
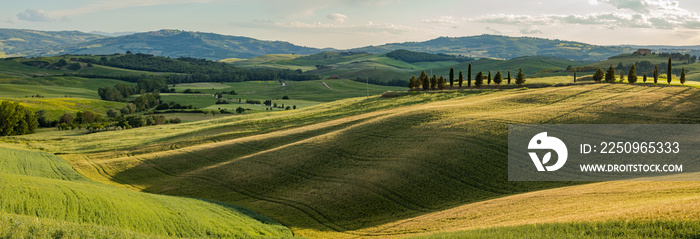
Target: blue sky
column 346, row 24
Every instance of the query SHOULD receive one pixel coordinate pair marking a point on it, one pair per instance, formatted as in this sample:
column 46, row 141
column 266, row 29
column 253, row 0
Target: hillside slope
column 20, row 42
column 504, row 47
column 354, row 164
column 45, row 188
column 176, row 43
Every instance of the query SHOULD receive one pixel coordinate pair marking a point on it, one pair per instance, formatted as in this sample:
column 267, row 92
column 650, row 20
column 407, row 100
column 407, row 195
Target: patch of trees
column 201, row 70
column 377, row 81
column 122, row 91
column 16, row 119
column 412, row 56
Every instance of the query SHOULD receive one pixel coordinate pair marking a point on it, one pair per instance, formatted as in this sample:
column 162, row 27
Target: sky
column 344, row 24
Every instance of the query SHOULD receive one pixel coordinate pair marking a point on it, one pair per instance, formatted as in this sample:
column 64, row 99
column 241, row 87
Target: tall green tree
column 669, row 72
column 644, row 78
column 441, row 83
column 424, row 80
column 574, row 76
column 632, row 76
column 461, row 79
column 469, row 75
column 520, row 78
column 433, row 82
column 599, row 75
column 412, row 83
column 610, row 75
column 509, row 77
column 489, row 79
column 479, row 80
column 683, row 76
column 656, row 74
column 498, row 78
column 452, row 76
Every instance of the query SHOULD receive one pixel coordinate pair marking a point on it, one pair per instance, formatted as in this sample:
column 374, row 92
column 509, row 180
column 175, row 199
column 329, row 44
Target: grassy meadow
column 376, row 166
column 51, row 199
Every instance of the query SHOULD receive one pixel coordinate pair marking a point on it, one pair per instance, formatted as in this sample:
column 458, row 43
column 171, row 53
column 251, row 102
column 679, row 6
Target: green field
column 361, row 166
column 427, row 164
column 46, row 189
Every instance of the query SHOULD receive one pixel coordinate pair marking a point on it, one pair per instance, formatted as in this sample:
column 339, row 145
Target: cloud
column 494, row 31
column 337, row 17
column 34, row 15
column 656, row 14
column 530, row 30
column 441, row 19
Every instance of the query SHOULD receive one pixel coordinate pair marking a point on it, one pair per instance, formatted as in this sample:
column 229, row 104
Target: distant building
column 643, row 52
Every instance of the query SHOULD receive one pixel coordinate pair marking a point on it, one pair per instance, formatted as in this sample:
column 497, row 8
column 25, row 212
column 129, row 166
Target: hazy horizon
column 345, row 24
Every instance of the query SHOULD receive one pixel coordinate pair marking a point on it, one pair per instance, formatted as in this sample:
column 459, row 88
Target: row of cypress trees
column 632, row 75
column 425, row 82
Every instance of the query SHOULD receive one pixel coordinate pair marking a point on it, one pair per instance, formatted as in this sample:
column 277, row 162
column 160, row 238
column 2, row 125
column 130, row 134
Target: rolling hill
column 504, row 47
column 176, row 43
column 21, row 42
column 50, row 199
column 372, row 166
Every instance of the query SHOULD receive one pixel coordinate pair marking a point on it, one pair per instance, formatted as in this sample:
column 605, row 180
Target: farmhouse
column 643, row 52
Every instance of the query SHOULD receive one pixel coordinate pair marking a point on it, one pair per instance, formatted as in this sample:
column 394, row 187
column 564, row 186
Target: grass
column 43, row 186
column 349, row 167
column 611, row 229
column 55, row 107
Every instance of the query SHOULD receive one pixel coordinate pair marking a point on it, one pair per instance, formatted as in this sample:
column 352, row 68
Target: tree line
column 412, row 56
column 426, row 82
column 201, row 70
column 632, row 78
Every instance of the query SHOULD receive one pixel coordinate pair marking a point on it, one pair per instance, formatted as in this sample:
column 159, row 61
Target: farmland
column 53, row 198
column 362, row 166
column 346, row 163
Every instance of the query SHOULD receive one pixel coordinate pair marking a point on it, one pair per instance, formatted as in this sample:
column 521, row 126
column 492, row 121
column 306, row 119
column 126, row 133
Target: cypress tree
column 683, row 76
column 632, row 76
column 424, row 80
column 498, row 78
column 599, row 75
column 461, row 79
column 656, row 74
column 669, row 72
column 644, row 78
column 489, row 79
column 441, row 83
column 412, row 83
column 479, row 80
column 469, row 75
column 520, row 79
column 509, row 77
column 433, row 82
column 452, row 76
column 574, row 76
column 610, row 75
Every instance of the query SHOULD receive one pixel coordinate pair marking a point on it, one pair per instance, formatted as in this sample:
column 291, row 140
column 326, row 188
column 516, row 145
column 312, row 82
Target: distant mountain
column 112, row 34
column 505, row 47
column 176, row 43
column 15, row 42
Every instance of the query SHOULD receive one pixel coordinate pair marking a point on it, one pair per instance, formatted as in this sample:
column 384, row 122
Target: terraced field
column 379, row 167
